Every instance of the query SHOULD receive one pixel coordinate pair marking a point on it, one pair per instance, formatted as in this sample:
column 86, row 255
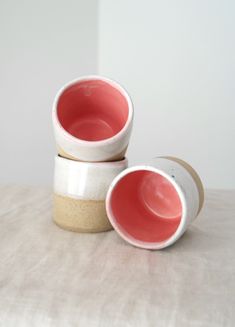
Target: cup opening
column 92, row 109
column 145, row 206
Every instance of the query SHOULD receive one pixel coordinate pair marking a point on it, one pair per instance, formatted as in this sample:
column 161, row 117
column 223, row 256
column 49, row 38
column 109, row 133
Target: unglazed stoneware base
column 195, row 177
column 84, row 216
column 119, row 156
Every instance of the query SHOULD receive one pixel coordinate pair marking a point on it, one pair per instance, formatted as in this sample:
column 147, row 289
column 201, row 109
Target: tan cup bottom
column 117, row 157
column 84, row 216
column 195, row 177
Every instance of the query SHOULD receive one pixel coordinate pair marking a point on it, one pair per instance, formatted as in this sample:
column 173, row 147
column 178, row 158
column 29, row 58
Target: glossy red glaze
column 146, row 206
column 92, row 110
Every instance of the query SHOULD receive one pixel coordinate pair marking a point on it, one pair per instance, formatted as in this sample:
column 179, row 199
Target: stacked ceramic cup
column 149, row 205
column 92, row 119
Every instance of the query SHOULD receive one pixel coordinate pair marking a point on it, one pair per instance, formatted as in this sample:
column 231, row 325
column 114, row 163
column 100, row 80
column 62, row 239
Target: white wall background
column 175, row 57
column 43, row 45
column 177, row 60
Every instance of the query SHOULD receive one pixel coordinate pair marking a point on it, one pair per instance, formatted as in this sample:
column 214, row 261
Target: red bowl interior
column 92, row 110
column 146, row 206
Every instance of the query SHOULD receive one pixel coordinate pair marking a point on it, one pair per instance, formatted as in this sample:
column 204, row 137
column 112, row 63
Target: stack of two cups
column 92, row 120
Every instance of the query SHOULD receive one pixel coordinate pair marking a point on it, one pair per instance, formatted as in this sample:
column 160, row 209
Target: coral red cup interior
column 145, row 206
column 92, row 110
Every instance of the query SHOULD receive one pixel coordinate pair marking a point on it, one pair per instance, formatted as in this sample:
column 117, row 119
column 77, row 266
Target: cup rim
column 122, row 162
column 113, row 83
column 130, row 239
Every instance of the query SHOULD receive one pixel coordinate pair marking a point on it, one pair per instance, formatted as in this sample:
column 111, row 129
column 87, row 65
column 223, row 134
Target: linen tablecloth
column 52, row 277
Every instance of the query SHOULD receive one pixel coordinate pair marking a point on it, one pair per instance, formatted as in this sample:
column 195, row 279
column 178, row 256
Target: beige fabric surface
column 52, row 277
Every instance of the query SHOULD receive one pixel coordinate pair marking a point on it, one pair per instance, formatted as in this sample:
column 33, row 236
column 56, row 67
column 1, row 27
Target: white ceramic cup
column 79, row 193
column 151, row 205
column 92, row 118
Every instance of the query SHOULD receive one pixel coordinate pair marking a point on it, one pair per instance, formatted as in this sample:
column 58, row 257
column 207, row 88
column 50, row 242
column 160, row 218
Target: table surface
column 51, row 277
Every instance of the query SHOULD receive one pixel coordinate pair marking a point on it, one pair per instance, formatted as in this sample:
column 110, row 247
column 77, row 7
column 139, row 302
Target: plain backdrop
column 43, row 45
column 175, row 58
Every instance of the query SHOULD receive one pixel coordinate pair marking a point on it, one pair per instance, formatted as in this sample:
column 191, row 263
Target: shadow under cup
column 144, row 206
column 92, row 110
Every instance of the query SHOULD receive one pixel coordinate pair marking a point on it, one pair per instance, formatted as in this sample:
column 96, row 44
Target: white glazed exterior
column 187, row 190
column 85, row 180
column 88, row 150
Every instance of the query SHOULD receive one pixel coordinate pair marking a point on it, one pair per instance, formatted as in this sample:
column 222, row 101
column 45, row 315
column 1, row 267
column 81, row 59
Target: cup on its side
column 79, row 193
column 92, row 119
column 151, row 205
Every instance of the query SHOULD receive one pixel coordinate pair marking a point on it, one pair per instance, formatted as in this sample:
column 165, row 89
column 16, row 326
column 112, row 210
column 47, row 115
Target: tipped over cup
column 152, row 205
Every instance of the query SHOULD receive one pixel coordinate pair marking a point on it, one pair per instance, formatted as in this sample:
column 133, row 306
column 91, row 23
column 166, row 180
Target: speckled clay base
column 195, row 177
column 84, row 216
column 117, row 157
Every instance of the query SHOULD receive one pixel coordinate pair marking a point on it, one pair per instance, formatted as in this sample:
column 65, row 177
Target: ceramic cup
column 79, row 193
column 92, row 118
column 151, row 206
